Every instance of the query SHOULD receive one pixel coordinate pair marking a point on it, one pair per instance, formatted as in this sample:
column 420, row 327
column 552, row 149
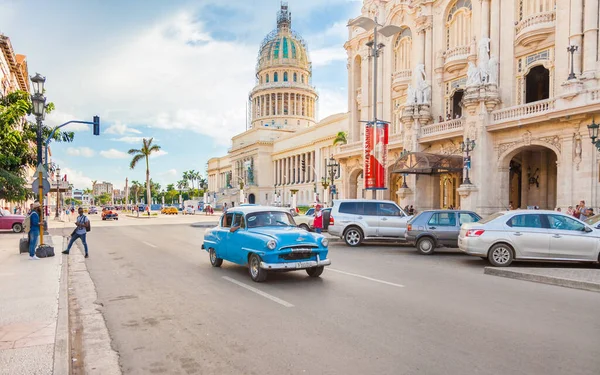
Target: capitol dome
column 283, row 46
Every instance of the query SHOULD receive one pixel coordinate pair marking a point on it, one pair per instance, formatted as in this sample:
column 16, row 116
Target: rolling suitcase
column 24, row 245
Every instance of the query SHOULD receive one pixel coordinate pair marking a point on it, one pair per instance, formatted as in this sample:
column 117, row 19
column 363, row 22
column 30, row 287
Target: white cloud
column 325, row 56
column 56, row 118
column 77, row 178
column 332, row 102
column 114, row 154
column 86, row 152
column 170, row 173
column 120, row 128
column 158, row 154
column 128, row 139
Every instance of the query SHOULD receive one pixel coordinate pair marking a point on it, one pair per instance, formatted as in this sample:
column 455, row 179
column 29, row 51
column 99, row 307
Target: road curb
column 567, row 283
column 205, row 225
column 61, row 342
column 142, row 217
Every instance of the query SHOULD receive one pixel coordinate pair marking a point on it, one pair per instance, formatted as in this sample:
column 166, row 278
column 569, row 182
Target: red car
column 12, row 222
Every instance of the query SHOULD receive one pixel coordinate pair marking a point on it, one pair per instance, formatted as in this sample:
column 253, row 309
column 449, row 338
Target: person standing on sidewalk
column 318, row 221
column 83, row 225
column 34, row 229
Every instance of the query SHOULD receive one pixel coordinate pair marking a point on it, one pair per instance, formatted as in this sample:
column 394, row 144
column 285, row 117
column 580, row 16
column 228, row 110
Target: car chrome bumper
column 295, row 265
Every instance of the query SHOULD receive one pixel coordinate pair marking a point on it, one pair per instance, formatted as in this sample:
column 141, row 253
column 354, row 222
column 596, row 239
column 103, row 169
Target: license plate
column 303, row 264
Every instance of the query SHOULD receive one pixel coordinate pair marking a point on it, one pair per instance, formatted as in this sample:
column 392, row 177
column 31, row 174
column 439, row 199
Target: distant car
column 430, row 229
column 306, row 221
column 92, row 210
column 265, row 239
column 12, row 222
column 189, row 211
column 530, row 235
column 109, row 213
column 356, row 220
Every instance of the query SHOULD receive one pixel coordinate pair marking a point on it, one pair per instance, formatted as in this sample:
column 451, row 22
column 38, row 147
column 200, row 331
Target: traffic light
column 303, row 165
column 96, row 125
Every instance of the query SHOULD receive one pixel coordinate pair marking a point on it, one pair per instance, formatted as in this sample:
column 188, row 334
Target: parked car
column 189, row 210
column 593, row 221
column 10, row 221
column 306, row 221
column 170, row 211
column 530, row 234
column 433, row 228
column 92, row 210
column 109, row 213
column 265, row 239
column 356, row 220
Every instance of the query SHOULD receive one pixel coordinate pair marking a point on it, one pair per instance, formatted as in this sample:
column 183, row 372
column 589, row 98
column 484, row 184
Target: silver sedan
column 530, row 235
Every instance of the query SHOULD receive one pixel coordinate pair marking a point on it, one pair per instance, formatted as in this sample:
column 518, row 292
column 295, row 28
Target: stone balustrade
column 457, row 53
column 285, row 85
column 536, row 19
column 523, row 111
column 402, row 75
column 442, row 127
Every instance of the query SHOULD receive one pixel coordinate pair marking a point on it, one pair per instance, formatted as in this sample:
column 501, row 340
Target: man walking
column 34, row 229
column 83, row 225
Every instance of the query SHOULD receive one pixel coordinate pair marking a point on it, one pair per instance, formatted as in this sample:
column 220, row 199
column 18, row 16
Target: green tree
column 144, row 153
column 103, row 198
column 73, row 201
column 136, row 188
column 341, row 138
column 170, row 187
column 16, row 139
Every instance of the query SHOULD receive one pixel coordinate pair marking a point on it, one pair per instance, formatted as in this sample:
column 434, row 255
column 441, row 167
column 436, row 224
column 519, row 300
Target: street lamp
column 572, row 49
column 593, row 130
column 374, row 50
column 57, row 191
column 333, row 167
column 467, row 146
column 404, row 175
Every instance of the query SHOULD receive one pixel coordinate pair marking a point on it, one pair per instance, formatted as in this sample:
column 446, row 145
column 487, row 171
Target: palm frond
column 134, row 151
column 135, row 160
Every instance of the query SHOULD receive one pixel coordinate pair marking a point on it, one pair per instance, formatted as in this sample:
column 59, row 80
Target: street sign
column 40, row 168
column 45, row 186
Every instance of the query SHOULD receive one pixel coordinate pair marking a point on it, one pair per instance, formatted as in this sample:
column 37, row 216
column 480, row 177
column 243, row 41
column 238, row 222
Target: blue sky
column 179, row 71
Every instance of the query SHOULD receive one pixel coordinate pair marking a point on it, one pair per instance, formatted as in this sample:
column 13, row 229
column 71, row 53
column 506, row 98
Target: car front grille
column 296, row 255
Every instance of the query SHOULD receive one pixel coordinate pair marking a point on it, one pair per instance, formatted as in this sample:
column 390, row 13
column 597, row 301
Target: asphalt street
column 376, row 310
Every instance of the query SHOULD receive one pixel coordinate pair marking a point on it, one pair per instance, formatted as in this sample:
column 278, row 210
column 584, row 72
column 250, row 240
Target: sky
column 175, row 70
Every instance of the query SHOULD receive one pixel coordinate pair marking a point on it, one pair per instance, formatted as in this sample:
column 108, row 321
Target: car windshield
column 593, row 220
column 269, row 219
column 491, row 217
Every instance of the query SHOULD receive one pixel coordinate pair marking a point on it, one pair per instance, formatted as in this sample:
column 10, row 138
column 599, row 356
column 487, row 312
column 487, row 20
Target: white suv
column 356, row 220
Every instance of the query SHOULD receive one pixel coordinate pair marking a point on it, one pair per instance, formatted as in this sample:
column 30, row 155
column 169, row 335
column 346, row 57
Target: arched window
column 403, row 50
column 276, row 52
column 275, row 77
column 293, row 50
column 285, row 48
column 295, row 77
column 302, row 78
column 458, row 25
column 285, row 77
column 267, row 78
column 537, row 86
column 528, row 8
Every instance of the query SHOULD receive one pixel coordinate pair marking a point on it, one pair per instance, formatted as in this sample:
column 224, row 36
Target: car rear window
column 491, row 217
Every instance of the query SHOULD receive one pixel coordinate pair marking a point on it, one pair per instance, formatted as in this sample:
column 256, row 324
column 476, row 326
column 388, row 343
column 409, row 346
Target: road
column 376, row 310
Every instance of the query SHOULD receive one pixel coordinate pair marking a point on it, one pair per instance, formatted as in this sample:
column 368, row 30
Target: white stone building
column 453, row 70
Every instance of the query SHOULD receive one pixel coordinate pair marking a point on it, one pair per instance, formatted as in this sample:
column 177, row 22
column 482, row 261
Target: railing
column 536, row 19
column 457, row 52
column 278, row 85
column 442, row 127
column 524, row 110
column 402, row 75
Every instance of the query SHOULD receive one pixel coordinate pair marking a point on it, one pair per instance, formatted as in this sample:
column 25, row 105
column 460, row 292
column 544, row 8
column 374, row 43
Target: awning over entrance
column 425, row 163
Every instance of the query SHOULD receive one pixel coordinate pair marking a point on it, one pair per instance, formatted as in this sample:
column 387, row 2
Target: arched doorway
column 251, row 199
column 449, row 183
column 532, row 177
column 537, row 84
column 356, row 184
column 456, row 104
column 395, row 184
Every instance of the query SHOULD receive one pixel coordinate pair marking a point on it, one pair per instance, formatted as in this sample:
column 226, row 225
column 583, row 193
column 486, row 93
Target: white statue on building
column 423, row 89
column 473, row 75
column 411, row 95
column 484, row 58
column 493, row 70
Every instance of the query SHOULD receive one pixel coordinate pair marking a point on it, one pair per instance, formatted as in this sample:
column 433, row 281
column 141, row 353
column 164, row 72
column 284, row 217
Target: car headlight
column 324, row 242
column 272, row 244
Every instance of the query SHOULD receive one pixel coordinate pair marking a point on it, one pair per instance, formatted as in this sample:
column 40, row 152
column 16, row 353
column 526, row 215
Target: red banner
column 375, row 157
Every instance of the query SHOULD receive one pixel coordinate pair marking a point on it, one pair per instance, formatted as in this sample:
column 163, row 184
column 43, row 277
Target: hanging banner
column 376, row 152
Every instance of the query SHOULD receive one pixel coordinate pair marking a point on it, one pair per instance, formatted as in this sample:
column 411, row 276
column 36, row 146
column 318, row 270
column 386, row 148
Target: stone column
column 544, row 180
column 429, row 51
column 590, row 37
column 276, row 112
column 576, row 33
column 495, row 28
column 419, row 48
column 485, row 18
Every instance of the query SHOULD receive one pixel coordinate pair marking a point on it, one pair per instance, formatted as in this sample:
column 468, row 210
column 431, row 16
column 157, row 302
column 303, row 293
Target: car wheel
column 17, row 227
column 315, row 271
column 304, row 226
column 426, row 245
column 256, row 273
column 214, row 260
column 353, row 236
column 500, row 255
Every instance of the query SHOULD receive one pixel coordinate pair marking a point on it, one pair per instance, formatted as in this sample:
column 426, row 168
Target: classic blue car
column 265, row 239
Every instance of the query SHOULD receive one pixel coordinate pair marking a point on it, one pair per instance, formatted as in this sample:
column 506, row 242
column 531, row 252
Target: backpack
column 27, row 224
column 88, row 227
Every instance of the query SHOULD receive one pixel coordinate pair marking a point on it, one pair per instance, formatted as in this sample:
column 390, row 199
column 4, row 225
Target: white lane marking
column 259, row 292
column 366, row 278
column 149, row 244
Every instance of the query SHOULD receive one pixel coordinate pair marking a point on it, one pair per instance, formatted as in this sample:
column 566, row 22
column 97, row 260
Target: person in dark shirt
column 34, row 230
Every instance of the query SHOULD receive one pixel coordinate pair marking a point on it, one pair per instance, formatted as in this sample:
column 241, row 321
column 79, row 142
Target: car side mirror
column 588, row 230
column 233, row 229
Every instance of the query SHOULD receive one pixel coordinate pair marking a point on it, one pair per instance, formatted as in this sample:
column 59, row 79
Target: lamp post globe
column 593, row 130
column 39, row 104
column 38, row 84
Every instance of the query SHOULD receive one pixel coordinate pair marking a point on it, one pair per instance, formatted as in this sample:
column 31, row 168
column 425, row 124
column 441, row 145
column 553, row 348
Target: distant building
column 103, row 188
column 78, row 194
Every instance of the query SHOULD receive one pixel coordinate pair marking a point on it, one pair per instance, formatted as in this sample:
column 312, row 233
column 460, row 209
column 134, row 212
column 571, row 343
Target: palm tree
column 94, row 182
column 170, row 187
column 187, row 177
column 147, row 149
column 135, row 190
column 182, row 184
column 198, row 178
column 341, row 138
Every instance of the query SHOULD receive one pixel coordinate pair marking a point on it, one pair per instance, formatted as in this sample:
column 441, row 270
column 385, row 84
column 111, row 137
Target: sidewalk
column 570, row 277
column 33, row 310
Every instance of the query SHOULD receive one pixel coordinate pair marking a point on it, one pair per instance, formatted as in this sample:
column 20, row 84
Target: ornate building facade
column 498, row 75
column 453, row 70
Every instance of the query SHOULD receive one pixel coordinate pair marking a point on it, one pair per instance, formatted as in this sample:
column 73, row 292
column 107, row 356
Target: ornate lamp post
column 593, row 130
column 57, row 192
column 404, row 175
column 572, row 49
column 333, row 167
column 467, row 146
